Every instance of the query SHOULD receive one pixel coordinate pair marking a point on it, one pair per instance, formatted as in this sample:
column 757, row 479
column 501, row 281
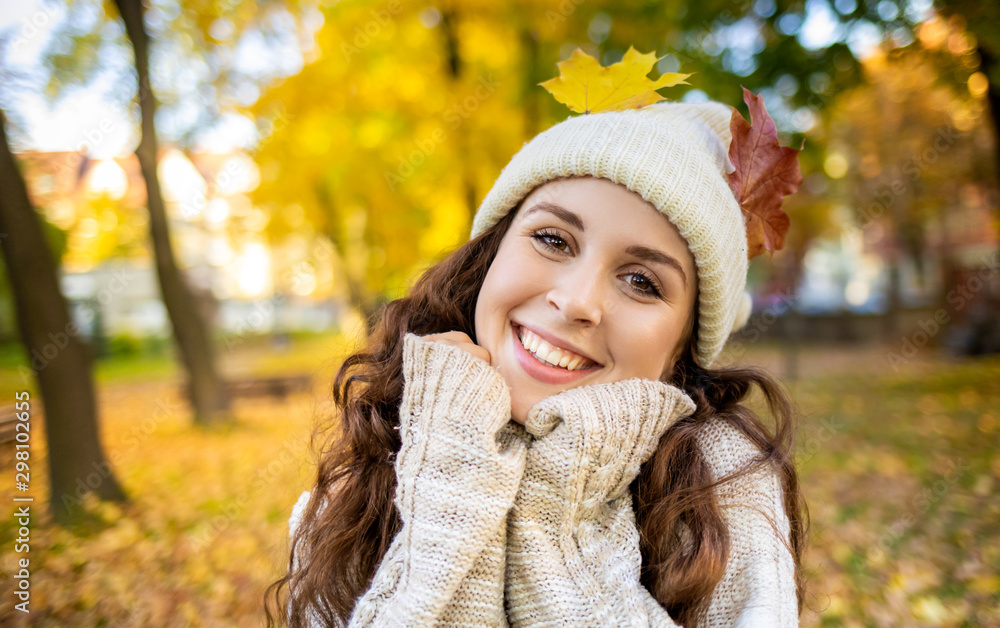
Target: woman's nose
column 579, row 296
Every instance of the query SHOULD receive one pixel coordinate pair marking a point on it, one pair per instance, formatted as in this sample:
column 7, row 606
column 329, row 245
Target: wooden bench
column 251, row 387
column 279, row 387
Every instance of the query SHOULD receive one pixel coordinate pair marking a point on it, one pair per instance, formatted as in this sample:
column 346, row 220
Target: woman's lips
column 543, row 372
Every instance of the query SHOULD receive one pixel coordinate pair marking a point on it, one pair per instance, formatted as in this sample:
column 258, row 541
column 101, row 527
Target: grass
column 903, row 492
column 314, row 354
column 899, row 469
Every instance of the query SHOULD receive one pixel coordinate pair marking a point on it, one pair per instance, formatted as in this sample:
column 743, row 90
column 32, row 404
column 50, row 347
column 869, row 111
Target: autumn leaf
column 586, row 87
column 765, row 173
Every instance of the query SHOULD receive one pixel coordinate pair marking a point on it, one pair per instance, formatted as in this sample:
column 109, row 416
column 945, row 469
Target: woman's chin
column 518, row 415
column 519, row 410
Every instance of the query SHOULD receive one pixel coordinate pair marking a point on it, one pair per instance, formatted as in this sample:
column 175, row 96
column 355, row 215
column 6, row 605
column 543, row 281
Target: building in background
column 248, row 282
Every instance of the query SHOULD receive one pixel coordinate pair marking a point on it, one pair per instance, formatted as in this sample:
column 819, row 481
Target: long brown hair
column 336, row 550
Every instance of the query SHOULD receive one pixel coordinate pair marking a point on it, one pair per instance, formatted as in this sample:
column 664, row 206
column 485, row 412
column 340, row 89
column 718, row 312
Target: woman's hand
column 463, row 342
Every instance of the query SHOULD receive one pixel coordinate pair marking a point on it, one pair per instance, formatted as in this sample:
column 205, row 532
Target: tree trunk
column 449, row 28
column 896, row 215
column 794, row 322
column 988, row 64
column 206, row 390
column 60, row 360
column 531, row 90
column 356, row 293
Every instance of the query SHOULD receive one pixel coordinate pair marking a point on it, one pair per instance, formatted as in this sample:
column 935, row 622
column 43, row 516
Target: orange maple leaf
column 765, row 173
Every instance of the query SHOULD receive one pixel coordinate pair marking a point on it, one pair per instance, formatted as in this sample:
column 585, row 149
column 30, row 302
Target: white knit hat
column 674, row 155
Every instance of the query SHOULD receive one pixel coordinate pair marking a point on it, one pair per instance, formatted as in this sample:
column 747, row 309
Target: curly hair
column 336, row 550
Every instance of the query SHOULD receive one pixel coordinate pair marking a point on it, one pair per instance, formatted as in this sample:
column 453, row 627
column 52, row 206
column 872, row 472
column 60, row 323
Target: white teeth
column 549, row 354
column 543, row 350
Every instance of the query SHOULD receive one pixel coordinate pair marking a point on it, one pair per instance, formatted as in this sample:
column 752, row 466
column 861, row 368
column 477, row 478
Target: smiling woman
column 535, row 435
column 589, row 269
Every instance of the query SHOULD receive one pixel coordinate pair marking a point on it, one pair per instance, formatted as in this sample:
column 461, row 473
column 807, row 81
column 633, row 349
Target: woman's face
column 589, row 276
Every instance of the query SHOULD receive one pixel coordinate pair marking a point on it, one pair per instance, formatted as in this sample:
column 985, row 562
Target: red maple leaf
column 765, row 173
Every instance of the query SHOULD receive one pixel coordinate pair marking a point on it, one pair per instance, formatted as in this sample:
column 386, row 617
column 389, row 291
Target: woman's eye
column 550, row 240
column 643, row 284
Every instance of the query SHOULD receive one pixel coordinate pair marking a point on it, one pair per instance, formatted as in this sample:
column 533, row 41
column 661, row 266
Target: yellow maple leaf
column 586, row 87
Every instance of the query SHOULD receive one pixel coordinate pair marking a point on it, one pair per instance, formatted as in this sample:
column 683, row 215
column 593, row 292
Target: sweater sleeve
column 758, row 586
column 457, row 473
column 296, row 516
column 573, row 553
column 294, row 521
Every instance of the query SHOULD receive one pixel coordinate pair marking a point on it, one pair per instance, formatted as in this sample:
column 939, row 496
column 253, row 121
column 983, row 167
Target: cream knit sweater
column 503, row 525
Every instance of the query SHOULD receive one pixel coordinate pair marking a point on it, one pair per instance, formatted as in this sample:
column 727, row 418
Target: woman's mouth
column 546, row 362
column 550, row 355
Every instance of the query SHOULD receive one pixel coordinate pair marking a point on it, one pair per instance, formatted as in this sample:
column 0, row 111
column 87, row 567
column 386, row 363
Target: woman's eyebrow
column 560, row 211
column 657, row 257
column 642, row 252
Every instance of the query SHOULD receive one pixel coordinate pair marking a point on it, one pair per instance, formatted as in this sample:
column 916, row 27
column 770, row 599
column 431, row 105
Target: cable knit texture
column 675, row 156
column 457, row 472
column 568, row 551
column 573, row 546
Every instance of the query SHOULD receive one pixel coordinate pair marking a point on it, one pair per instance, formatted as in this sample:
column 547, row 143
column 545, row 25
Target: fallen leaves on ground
column 900, row 473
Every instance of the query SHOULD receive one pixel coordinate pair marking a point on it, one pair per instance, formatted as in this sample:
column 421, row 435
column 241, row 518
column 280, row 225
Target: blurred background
column 202, row 202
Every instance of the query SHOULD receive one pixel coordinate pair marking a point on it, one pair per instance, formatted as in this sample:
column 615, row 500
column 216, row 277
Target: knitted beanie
column 676, row 157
